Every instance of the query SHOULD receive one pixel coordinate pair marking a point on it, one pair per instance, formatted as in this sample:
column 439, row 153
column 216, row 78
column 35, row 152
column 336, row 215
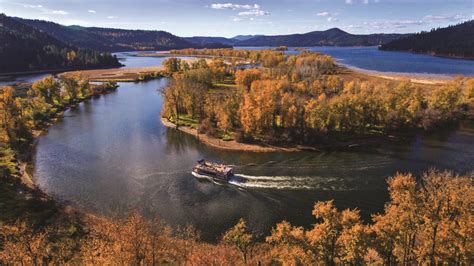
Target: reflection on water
column 112, row 154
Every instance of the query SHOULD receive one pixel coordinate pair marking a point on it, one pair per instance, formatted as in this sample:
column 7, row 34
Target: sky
column 231, row 17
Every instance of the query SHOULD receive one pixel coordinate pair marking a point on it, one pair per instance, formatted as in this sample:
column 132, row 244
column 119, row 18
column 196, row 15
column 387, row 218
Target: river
column 112, row 154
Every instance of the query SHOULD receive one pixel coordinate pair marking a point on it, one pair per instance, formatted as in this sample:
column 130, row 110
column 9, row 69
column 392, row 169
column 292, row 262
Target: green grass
column 186, row 120
column 225, row 136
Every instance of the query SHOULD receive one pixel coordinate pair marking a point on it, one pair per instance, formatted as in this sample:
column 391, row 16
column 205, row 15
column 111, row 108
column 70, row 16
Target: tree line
column 454, row 41
column 24, row 111
column 428, row 221
column 302, row 98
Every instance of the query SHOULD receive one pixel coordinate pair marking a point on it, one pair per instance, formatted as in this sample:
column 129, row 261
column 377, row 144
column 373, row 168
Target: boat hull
column 203, row 174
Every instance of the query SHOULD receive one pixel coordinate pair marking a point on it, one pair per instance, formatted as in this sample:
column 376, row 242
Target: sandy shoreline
column 426, row 79
column 232, row 144
column 114, row 74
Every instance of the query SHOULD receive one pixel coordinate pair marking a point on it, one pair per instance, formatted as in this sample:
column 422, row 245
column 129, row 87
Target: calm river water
column 113, row 154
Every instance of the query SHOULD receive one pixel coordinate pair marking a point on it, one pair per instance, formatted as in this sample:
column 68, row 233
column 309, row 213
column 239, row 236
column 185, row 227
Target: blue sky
column 230, row 18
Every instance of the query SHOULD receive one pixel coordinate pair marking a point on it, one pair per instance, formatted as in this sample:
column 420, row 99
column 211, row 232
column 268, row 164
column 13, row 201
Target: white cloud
column 331, row 19
column 43, row 10
column 322, row 14
column 355, row 26
column 248, row 10
column 405, row 25
column 255, row 12
column 365, row 2
column 234, row 6
column 59, row 12
column 391, row 24
column 91, row 11
column 112, row 17
column 32, row 6
column 444, row 18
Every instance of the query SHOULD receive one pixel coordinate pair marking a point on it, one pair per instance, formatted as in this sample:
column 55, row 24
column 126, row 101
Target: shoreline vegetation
column 420, row 78
column 426, row 221
column 27, row 113
column 231, row 144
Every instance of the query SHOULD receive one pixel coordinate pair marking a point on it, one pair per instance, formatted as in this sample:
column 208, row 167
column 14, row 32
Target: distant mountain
column 26, row 48
column 453, row 41
column 113, row 40
column 205, row 41
column 245, row 37
column 331, row 37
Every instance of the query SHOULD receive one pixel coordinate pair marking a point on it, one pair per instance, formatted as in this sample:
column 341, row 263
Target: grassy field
column 116, row 74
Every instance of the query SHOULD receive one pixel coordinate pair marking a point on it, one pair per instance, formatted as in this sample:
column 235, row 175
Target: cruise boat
column 217, row 171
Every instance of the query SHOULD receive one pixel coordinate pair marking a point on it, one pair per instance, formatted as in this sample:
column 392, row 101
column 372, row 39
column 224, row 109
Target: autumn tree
column 48, row 88
column 13, row 124
column 22, row 245
column 426, row 223
column 172, row 65
column 239, row 237
column 289, row 245
column 70, row 87
column 245, row 77
column 443, row 196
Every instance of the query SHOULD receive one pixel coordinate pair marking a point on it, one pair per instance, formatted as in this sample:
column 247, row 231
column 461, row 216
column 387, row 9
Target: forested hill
column 115, row 40
column 25, row 48
column 331, row 37
column 234, row 41
column 453, row 41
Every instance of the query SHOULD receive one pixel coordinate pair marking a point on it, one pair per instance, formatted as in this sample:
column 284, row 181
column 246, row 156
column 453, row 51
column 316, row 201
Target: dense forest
column 24, row 48
column 301, row 99
column 453, row 41
column 115, row 40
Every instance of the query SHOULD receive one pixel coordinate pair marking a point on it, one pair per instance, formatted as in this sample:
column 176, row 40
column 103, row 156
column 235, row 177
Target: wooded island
column 304, row 99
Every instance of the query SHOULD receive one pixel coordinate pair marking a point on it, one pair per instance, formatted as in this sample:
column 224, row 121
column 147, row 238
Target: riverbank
column 265, row 147
column 424, row 79
column 20, row 195
column 118, row 74
column 9, row 75
column 227, row 145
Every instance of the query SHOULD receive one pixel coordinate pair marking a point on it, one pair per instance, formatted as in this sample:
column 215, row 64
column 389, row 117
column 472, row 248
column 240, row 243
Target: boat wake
column 242, row 181
column 277, row 182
